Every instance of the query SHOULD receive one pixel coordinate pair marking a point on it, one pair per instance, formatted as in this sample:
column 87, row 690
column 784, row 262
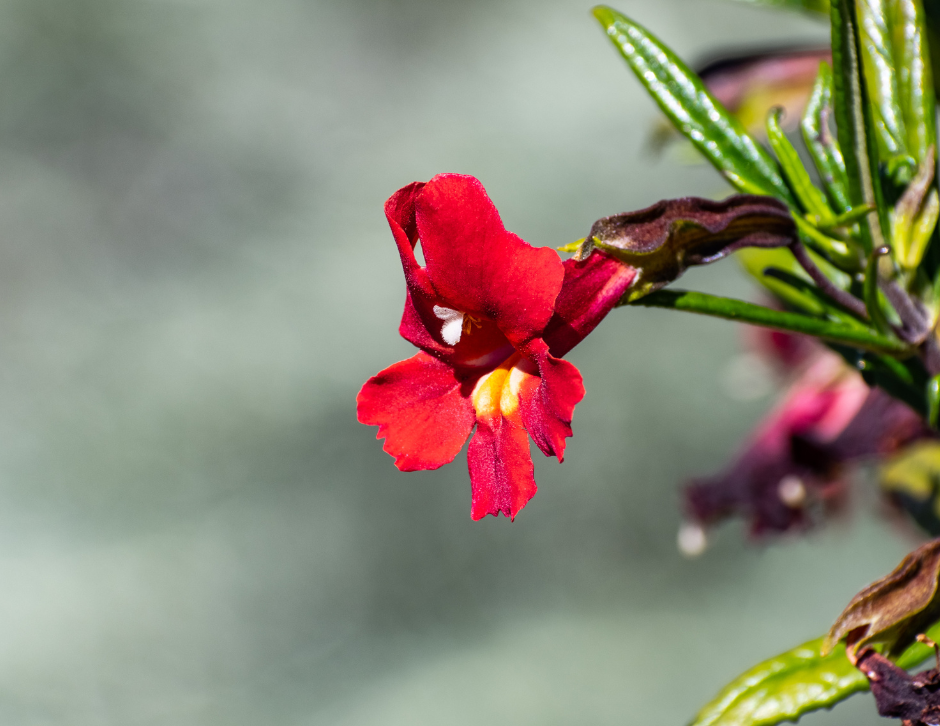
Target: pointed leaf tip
column 693, row 109
column 605, row 16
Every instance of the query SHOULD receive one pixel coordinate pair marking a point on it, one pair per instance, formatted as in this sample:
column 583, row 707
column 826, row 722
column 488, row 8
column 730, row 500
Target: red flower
column 492, row 316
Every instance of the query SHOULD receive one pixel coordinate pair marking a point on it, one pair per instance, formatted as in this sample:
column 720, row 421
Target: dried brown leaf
column 661, row 241
column 893, row 609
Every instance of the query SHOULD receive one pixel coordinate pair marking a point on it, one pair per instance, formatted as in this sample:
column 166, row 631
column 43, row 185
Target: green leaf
column 835, row 250
column 694, row 111
column 915, row 77
column 848, row 218
column 915, row 215
column 899, row 79
column 924, row 226
column 854, row 124
column 819, row 142
column 911, row 478
column 811, row 199
column 756, row 261
column 817, row 7
column 893, row 376
column 794, row 683
column 933, row 400
column 830, row 308
column 873, row 295
column 877, row 52
column 784, row 688
column 745, row 312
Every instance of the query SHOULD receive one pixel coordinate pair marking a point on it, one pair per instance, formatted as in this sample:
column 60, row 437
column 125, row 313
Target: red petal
column 547, row 401
column 479, row 267
column 482, row 346
column 591, row 289
column 419, row 325
column 400, row 213
column 501, row 474
column 421, row 410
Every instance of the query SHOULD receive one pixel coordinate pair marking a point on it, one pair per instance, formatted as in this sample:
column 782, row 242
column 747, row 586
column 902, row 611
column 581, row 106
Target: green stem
column 745, row 312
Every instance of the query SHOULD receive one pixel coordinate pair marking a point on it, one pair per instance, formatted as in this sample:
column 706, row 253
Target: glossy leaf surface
column 783, row 688
column 830, row 308
column 915, row 75
column 915, row 214
column 745, row 312
column 854, row 124
column 757, row 261
column 811, row 199
column 794, row 683
column 694, row 111
column 820, row 7
column 898, row 78
column 821, row 145
column 878, row 56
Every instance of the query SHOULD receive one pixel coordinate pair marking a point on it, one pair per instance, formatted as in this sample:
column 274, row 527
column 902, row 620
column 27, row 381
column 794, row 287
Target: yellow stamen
column 497, row 393
column 469, row 321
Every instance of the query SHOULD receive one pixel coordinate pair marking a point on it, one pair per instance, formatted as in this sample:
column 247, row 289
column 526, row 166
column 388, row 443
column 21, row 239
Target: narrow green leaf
column 811, row 199
column 571, row 246
column 745, row 312
column 933, row 400
column 794, row 683
column 816, row 7
column 694, row 111
column 834, row 250
column 924, row 226
column 830, row 307
column 899, row 82
column 848, row 218
column 916, row 97
column 898, row 369
column 819, row 142
column 877, row 52
column 873, row 294
column 853, row 124
column 932, row 18
column 914, row 216
column 756, row 261
column 893, row 376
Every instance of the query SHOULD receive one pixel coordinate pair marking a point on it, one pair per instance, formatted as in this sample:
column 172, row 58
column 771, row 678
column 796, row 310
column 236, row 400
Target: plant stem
column 915, row 323
column 745, row 312
column 845, row 299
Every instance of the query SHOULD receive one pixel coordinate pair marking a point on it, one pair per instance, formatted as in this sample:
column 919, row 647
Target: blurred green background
column 196, row 277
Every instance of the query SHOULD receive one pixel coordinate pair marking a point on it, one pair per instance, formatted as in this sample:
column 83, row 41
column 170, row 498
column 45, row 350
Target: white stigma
column 453, row 324
column 692, row 540
column 792, row 491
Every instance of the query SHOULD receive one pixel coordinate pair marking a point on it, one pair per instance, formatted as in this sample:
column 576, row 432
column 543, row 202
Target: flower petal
column 591, row 289
column 480, row 268
column 481, row 343
column 422, row 410
column 793, row 460
column 547, row 401
column 502, row 478
column 400, row 213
